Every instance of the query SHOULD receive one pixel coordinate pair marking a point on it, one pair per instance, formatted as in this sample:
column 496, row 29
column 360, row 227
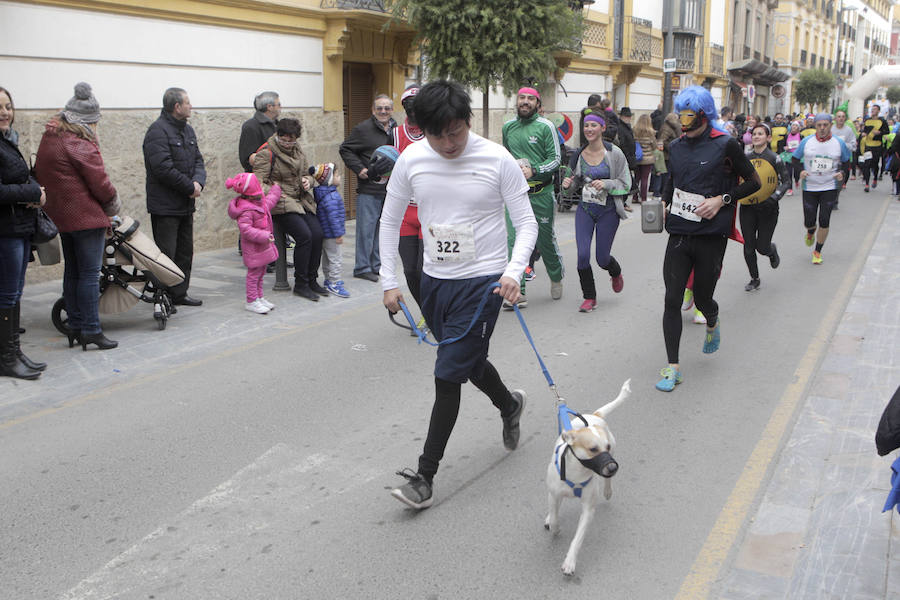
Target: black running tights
column 411, row 254
column 446, row 409
column 703, row 254
column 757, row 226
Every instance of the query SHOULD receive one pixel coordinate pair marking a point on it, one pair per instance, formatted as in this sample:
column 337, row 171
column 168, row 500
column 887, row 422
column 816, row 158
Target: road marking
column 705, row 569
column 269, row 500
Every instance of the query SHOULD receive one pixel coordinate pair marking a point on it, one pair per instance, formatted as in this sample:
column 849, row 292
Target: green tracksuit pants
column 544, row 208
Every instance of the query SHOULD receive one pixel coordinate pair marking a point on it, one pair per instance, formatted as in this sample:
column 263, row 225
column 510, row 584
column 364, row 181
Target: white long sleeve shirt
column 461, row 209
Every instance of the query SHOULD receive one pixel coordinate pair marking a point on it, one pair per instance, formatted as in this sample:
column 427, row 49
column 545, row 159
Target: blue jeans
column 83, row 253
column 368, row 218
column 14, row 252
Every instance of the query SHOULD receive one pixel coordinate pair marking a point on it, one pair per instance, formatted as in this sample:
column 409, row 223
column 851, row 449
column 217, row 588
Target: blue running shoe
column 337, row 288
column 711, row 341
column 671, row 377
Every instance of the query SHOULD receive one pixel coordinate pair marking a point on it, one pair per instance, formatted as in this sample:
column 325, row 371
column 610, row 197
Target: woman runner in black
column 759, row 210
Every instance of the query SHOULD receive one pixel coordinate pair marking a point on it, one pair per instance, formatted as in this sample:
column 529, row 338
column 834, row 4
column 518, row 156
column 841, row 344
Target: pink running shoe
column 588, row 305
column 617, row 283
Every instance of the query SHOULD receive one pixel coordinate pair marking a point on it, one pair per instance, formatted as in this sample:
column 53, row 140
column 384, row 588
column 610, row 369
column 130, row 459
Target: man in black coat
column 175, row 177
column 356, row 151
column 258, row 128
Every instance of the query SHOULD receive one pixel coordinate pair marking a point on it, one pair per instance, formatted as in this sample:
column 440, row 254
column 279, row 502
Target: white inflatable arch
column 865, row 86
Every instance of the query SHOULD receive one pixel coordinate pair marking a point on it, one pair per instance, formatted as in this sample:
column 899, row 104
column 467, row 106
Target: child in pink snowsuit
column 253, row 213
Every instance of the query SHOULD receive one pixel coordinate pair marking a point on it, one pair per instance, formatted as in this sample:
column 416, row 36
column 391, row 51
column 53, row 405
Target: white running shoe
column 256, row 307
column 265, row 303
column 699, row 319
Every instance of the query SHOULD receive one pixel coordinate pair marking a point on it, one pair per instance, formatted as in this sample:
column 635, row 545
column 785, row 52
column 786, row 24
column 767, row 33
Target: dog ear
column 568, row 436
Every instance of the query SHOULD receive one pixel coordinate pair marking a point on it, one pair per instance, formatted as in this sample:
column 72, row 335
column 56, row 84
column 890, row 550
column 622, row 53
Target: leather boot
column 10, row 365
column 586, row 277
column 36, row 366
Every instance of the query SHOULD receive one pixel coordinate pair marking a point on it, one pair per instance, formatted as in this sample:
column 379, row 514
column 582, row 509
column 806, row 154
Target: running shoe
column 522, row 303
column 874, row 183
column 588, row 305
column 866, row 189
column 556, row 290
column 670, row 378
column 256, row 307
column 752, row 286
column 617, row 283
column 817, row 258
column 790, row 192
column 336, row 288
column 774, row 259
column 688, row 299
column 416, row 492
column 265, row 303
column 810, row 238
column 511, row 422
column 711, row 341
column 529, row 274
column 699, row 319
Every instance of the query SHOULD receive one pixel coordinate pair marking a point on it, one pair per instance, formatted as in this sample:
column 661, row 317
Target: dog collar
column 560, row 462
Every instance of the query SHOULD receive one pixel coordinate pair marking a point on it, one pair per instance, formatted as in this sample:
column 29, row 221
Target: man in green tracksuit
column 533, row 141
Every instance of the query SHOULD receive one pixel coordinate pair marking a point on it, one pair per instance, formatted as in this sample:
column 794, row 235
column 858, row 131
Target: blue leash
column 563, row 411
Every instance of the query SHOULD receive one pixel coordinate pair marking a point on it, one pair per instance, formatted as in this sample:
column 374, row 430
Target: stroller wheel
column 161, row 323
column 59, row 316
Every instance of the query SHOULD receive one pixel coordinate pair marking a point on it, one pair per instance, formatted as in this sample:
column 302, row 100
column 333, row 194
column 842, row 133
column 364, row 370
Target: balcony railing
column 685, row 52
column 376, row 5
column 638, row 37
column 717, row 60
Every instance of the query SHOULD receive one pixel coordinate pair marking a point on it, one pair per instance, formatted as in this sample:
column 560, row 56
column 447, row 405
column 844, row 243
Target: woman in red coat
column 80, row 200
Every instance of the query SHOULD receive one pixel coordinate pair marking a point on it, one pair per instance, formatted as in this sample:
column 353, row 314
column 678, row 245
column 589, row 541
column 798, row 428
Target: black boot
column 98, row 339
column 10, row 365
column 586, row 277
column 36, row 366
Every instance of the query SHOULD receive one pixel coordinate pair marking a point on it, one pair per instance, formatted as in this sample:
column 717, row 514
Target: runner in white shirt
column 462, row 184
column 821, row 159
column 842, row 129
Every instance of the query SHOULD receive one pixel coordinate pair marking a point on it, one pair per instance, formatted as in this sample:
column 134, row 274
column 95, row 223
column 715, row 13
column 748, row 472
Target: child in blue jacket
column 331, row 214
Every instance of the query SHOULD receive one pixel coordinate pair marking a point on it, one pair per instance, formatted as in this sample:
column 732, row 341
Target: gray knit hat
column 83, row 107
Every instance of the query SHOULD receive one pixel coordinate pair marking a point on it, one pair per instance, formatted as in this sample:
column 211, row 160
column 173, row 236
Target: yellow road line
column 724, row 533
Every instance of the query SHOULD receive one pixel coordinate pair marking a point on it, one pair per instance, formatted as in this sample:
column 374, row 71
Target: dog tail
column 608, row 408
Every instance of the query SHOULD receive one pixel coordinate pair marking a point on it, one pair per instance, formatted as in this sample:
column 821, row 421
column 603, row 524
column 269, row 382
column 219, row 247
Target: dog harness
column 560, row 462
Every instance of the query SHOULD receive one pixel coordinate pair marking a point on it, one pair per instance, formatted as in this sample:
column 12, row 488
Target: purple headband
column 595, row 118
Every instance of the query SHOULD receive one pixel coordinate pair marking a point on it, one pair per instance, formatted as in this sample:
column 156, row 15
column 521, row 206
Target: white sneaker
column 556, row 290
column 256, row 307
column 699, row 319
column 265, row 303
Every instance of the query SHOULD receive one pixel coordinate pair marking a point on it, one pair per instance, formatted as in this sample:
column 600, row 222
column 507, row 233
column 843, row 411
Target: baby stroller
column 133, row 269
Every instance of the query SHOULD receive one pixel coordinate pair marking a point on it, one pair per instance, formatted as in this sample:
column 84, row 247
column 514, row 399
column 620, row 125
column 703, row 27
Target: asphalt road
column 244, row 456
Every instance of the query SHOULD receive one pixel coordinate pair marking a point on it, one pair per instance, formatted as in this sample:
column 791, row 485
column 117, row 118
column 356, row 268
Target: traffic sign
column 751, row 92
column 669, row 65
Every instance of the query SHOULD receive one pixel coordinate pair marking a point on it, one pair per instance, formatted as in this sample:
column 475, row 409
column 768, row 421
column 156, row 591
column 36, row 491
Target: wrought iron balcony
column 638, row 33
column 375, row 5
column 717, row 60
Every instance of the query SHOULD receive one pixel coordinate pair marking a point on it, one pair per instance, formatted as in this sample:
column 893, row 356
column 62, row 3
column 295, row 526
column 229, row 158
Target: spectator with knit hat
column 253, row 213
column 332, row 215
column 80, row 200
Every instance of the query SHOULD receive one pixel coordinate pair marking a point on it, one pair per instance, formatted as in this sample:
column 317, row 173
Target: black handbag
column 44, row 228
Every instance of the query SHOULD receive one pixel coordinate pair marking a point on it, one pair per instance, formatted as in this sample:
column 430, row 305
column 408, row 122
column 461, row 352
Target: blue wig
column 697, row 98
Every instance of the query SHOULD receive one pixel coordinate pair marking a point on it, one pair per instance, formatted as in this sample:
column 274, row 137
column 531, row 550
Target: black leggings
column 446, row 409
column 703, row 254
column 411, row 254
column 821, row 203
column 307, row 234
column 871, row 166
column 758, row 225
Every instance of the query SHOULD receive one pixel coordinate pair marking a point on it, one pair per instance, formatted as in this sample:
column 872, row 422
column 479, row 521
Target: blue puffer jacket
column 330, row 210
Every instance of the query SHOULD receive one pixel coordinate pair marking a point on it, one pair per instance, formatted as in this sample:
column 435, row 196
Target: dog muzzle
column 603, row 464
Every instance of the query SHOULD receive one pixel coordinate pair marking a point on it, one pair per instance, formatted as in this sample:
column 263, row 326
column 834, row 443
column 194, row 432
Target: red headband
column 529, row 91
